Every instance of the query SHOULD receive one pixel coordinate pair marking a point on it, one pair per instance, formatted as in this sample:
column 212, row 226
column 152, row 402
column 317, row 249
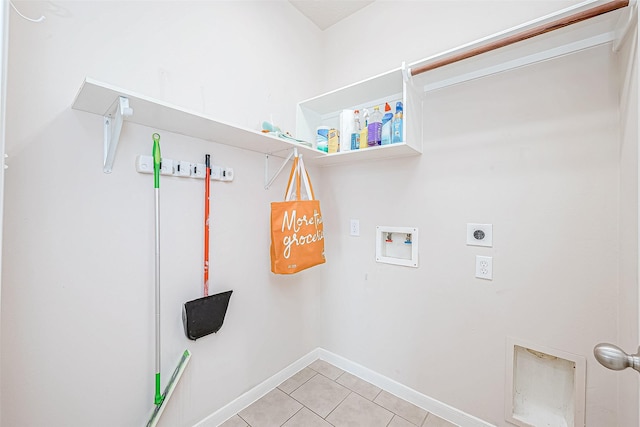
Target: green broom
column 161, row 400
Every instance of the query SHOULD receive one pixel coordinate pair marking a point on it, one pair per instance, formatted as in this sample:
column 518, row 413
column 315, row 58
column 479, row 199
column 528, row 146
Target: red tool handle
column 207, row 193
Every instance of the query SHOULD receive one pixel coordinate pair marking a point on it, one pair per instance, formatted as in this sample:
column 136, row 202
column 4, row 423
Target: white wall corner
column 246, row 399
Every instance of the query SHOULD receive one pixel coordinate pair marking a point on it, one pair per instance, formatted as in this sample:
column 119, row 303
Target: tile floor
column 322, row 395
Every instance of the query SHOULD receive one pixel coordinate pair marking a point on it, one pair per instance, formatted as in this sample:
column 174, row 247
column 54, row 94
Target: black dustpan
column 204, row 316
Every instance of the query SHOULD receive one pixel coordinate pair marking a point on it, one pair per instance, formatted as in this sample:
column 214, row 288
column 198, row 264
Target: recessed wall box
column 545, row 387
column 397, row 245
column 480, row 235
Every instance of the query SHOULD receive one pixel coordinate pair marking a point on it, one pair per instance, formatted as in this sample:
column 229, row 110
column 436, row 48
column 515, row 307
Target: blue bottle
column 387, row 121
column 397, row 124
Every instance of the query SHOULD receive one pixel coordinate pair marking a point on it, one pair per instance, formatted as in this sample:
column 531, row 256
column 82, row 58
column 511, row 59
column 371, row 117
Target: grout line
column 341, row 402
column 238, row 415
column 378, row 394
column 305, row 406
column 287, row 420
column 289, row 394
column 394, row 415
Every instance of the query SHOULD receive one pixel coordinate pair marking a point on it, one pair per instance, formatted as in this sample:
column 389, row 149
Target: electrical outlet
column 484, row 267
column 354, row 228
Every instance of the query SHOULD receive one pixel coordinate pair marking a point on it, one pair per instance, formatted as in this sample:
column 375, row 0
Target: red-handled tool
column 207, row 196
column 204, row 316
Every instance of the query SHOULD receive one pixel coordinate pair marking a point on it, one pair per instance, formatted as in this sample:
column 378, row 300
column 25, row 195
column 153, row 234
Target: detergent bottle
column 397, row 124
column 355, row 136
column 385, row 138
column 365, row 127
column 375, row 127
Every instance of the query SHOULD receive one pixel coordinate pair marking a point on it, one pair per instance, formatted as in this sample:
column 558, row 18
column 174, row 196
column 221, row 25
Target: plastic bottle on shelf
column 364, row 132
column 397, row 124
column 322, row 138
column 387, row 119
column 355, row 136
column 375, row 128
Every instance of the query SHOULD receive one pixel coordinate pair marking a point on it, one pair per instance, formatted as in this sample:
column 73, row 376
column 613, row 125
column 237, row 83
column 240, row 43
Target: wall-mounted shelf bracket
column 268, row 181
column 406, row 72
column 112, row 127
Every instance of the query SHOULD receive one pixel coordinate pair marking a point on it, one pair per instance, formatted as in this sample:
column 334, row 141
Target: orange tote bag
column 297, row 238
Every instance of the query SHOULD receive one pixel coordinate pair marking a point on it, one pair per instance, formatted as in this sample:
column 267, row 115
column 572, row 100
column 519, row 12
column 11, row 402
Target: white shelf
column 385, row 84
column 98, row 98
column 380, row 152
column 324, row 110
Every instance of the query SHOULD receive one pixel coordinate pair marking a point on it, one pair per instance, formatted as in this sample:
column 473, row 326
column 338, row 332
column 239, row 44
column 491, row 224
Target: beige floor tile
column 326, row 369
column 398, row 421
column 272, row 410
column 234, row 421
column 356, row 411
column 406, row 410
column 320, row 394
column 306, row 418
column 297, row 380
column 363, row 388
column 434, row 421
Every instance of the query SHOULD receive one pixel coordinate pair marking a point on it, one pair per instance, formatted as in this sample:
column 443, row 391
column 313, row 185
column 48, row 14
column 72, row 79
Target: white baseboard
column 425, row 402
column 237, row 405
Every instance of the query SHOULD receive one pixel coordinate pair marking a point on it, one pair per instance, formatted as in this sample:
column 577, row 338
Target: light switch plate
column 480, row 235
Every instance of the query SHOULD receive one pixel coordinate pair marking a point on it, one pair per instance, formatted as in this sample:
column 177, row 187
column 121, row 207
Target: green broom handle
column 156, row 160
column 156, row 185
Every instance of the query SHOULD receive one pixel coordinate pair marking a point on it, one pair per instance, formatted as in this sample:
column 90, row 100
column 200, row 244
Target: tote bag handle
column 298, row 174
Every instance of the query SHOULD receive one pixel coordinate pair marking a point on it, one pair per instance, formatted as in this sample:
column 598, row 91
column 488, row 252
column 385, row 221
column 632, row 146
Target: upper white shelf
column 385, row 84
column 99, row 98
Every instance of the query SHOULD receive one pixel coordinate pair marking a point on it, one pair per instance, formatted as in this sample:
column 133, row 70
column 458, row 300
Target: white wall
column 530, row 151
column 535, row 152
column 628, row 337
column 77, row 307
column 4, row 44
